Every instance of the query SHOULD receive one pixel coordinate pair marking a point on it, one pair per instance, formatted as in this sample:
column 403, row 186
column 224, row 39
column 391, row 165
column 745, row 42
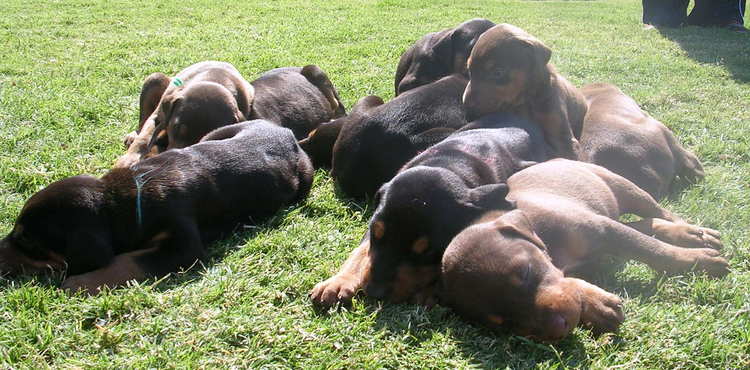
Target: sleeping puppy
column 435, row 196
column 210, row 95
column 510, row 271
column 177, row 112
column 157, row 216
column 510, row 72
column 438, row 54
column 621, row 137
column 369, row 152
column 319, row 143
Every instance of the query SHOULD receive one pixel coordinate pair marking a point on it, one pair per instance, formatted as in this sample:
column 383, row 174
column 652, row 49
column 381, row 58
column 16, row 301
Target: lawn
column 70, row 74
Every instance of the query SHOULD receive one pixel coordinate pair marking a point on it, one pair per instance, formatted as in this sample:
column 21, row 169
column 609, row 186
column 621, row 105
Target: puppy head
column 499, row 274
column 505, row 67
column 186, row 115
column 439, row 54
column 417, row 214
column 49, row 229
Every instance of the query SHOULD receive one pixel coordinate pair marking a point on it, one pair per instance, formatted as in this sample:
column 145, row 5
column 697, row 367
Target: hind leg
column 317, row 77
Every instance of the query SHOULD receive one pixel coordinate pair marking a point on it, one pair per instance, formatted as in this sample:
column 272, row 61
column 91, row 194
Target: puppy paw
column 425, row 297
column 127, row 160
column 705, row 260
column 690, row 236
column 80, row 283
column 602, row 311
column 129, row 138
column 337, row 289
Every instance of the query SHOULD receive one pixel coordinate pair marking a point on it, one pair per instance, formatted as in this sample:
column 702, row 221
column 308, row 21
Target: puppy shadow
column 714, row 45
column 417, row 325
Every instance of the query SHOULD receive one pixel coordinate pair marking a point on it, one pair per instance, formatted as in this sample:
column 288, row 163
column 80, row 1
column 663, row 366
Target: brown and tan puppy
column 511, row 270
column 177, row 112
column 621, row 137
column 210, row 95
column 510, row 72
column 438, row 54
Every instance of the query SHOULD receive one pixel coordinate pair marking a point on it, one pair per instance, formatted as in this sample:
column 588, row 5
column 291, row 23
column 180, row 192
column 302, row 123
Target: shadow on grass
column 714, row 46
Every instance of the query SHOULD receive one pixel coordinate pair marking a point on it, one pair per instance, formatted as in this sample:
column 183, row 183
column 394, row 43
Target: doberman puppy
column 157, row 216
column 433, row 198
column 319, row 143
column 369, row 152
column 510, row 271
column 177, row 112
column 510, row 71
column 438, row 54
column 621, row 137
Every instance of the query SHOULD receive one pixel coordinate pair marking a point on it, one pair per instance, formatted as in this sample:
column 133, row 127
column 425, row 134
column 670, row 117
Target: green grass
column 70, row 73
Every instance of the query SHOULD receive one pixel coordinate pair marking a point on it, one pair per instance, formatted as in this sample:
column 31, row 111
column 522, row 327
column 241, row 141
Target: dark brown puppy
column 510, row 72
column 157, row 216
column 202, row 98
column 433, row 198
column 621, row 137
column 511, row 270
column 319, row 143
column 438, row 54
column 369, row 152
column 299, row 99
column 177, row 112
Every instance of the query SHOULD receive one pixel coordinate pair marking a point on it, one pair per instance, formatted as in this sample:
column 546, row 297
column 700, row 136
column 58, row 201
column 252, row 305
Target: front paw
column 81, row 283
column 426, row 296
column 337, row 289
column 129, row 139
column 705, row 260
column 689, row 236
column 601, row 311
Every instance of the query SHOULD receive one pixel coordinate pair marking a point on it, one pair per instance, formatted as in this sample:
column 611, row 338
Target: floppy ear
column 541, row 54
column 153, row 88
column 245, row 98
column 516, row 222
column 490, row 197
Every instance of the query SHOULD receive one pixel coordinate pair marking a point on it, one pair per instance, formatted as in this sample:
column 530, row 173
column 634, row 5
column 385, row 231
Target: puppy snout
column 558, row 327
column 377, row 291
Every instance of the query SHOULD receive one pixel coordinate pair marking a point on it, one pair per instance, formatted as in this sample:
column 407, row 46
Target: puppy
column 510, row 271
column 319, row 143
column 157, row 216
column 438, row 54
column 510, row 71
column 369, row 152
column 435, row 196
column 177, row 112
column 621, row 137
column 209, row 95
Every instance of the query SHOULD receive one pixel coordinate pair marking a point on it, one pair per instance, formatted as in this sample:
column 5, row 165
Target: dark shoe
column 736, row 27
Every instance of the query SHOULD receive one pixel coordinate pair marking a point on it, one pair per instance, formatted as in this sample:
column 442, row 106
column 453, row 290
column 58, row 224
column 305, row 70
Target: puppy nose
column 557, row 327
column 377, row 291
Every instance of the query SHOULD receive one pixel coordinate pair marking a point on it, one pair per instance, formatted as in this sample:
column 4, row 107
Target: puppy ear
column 540, row 52
column 153, row 88
column 490, row 196
column 516, row 222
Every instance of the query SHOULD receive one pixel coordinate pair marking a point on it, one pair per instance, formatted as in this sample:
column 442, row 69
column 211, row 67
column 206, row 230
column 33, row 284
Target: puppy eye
column 526, row 273
column 501, row 76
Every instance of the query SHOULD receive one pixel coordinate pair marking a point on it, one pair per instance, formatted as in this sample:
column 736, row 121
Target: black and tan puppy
column 511, row 270
column 177, row 112
column 319, row 143
column 157, row 216
column 433, row 198
column 438, row 54
column 621, row 137
column 510, row 72
column 369, row 152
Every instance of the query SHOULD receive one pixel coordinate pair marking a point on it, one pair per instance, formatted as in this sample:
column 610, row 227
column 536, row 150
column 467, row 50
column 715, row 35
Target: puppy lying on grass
column 177, row 112
column 426, row 204
column 510, row 269
column 157, row 216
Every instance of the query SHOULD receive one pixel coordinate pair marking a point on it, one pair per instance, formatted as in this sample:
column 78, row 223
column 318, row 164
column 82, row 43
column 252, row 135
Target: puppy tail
column 320, row 79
